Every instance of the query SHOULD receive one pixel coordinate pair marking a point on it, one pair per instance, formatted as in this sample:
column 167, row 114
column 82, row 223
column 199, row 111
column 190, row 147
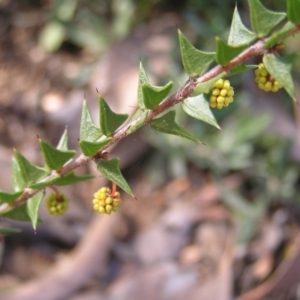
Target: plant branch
column 252, row 51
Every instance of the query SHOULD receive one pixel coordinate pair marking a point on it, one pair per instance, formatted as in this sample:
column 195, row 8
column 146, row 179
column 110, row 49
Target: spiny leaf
column 71, row 178
column 33, row 205
column 167, row 124
column 241, row 68
column 143, row 79
column 280, row 69
column 198, row 108
column 153, row 95
column 239, row 34
column 55, row 158
column 262, row 19
column 109, row 120
column 225, row 53
column 205, row 87
column 63, row 142
column 293, row 11
column 278, row 35
column 111, row 170
column 91, row 148
column 44, row 183
column 29, row 172
column 17, row 179
column 17, row 213
column 88, row 131
column 194, row 61
column 9, row 197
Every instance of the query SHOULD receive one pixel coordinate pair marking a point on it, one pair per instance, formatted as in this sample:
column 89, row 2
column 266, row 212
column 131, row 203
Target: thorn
column 37, row 136
column 97, row 91
column 177, row 26
column 135, row 198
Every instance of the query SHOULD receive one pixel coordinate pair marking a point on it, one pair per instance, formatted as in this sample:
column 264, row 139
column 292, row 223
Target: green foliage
column 109, row 120
column 167, row 124
column 230, row 150
column 263, row 20
column 111, row 170
column 198, row 108
column 194, row 61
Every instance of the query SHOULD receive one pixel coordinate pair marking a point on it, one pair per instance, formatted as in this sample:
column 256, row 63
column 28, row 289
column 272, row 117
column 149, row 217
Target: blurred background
column 214, row 221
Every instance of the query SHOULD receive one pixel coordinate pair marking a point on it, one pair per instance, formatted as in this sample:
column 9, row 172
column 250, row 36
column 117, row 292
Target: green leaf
column 33, row 205
column 88, row 131
column 63, row 142
column 278, row 35
column 225, row 53
column 239, row 34
column 205, row 87
column 91, row 148
column 241, row 68
column 17, row 179
column 293, row 11
column 9, row 230
column 280, row 69
column 55, row 158
column 143, row 79
column 44, row 183
column 9, row 197
column 71, row 178
column 167, row 124
column 153, row 95
column 109, row 120
column 111, row 170
column 262, row 19
column 17, row 213
column 194, row 61
column 142, row 118
column 29, row 172
column 198, row 108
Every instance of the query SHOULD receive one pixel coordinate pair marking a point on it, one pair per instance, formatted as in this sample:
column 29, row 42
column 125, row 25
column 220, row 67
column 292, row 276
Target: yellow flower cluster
column 222, row 94
column 265, row 81
column 57, row 204
column 104, row 202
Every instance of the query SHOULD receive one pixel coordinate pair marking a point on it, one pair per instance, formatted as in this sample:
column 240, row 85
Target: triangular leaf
column 293, row 11
column 109, row 120
column 111, row 170
column 225, row 53
column 44, row 183
column 55, row 158
column 9, row 197
column 88, row 131
column 63, row 142
column 278, row 35
column 143, row 79
column 194, row 61
column 17, row 213
column 262, row 19
column 205, row 87
column 239, row 34
column 141, row 117
column 29, row 172
column 280, row 69
column 71, row 178
column 91, row 148
column 241, row 68
column 167, row 124
column 197, row 107
column 9, row 230
column 18, row 182
column 33, row 205
column 153, row 95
